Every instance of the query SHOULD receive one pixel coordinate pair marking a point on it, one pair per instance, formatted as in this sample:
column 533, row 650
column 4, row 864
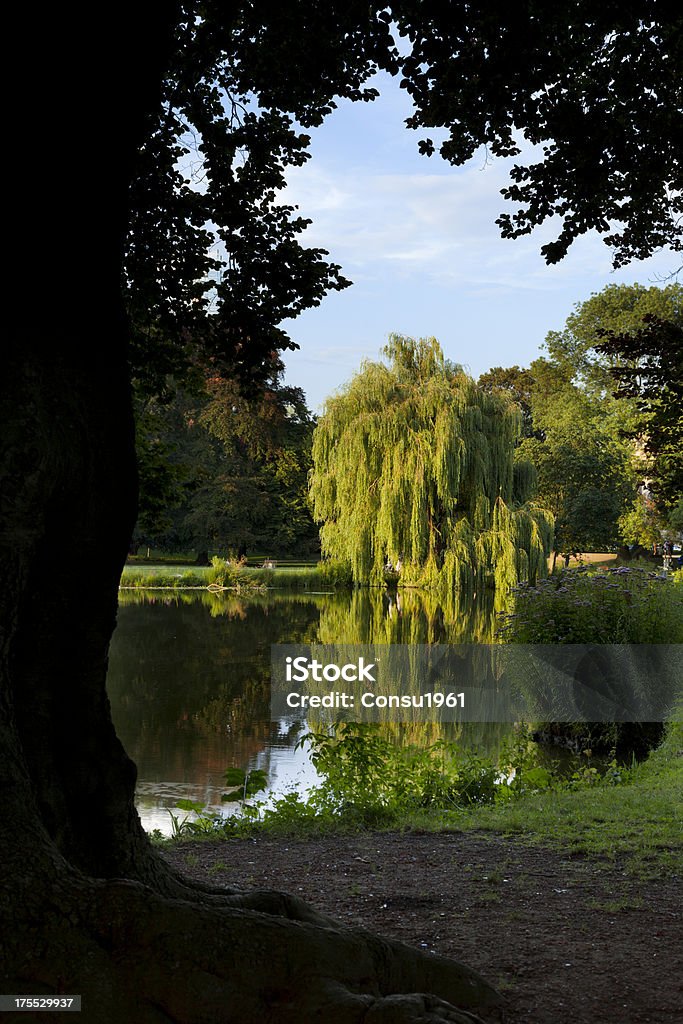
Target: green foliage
column 413, row 462
column 633, row 815
column 591, row 449
column 367, row 775
column 238, row 464
column 585, row 480
column 641, row 524
column 518, row 385
column 160, row 476
column 133, row 577
column 630, row 813
column 619, row 309
column 584, row 469
column 335, row 573
column 203, row 822
column 244, row 784
column 368, row 781
column 612, row 606
column 649, row 370
column 676, row 517
column 223, row 573
column 623, row 348
column 213, row 258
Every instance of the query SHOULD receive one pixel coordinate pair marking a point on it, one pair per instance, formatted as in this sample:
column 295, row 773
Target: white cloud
column 439, row 225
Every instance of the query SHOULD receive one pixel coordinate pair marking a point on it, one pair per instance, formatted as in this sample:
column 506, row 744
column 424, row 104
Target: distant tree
column 236, row 466
column 676, row 518
column 414, row 462
column 585, row 473
column 641, row 525
column 583, row 486
column 647, row 367
column 518, row 384
column 619, row 309
column 589, row 475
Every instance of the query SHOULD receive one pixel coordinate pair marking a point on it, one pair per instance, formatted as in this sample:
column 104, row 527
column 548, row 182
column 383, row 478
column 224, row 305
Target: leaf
column 190, row 805
column 234, row 795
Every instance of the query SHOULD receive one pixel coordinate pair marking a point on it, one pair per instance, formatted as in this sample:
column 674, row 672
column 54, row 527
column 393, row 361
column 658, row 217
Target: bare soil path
column 567, row 940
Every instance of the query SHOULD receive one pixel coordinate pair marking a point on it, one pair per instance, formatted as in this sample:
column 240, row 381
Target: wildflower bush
column 623, row 605
column 609, row 606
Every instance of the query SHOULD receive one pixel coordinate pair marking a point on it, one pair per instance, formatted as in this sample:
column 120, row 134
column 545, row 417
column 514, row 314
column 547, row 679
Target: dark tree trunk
column 86, row 905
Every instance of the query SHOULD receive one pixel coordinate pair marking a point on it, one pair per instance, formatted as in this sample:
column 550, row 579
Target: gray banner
column 477, row 682
column 33, row 1003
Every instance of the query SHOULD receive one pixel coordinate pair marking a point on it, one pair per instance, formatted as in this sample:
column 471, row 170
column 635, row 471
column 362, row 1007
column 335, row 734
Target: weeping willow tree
column 414, row 461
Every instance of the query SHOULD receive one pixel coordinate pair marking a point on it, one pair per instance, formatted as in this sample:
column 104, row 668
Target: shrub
column 222, row 573
column 611, row 606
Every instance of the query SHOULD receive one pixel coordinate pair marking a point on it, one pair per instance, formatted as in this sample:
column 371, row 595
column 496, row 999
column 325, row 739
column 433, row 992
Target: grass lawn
column 640, row 821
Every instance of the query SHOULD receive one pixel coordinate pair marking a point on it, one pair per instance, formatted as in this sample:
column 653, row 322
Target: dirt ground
column 566, row 940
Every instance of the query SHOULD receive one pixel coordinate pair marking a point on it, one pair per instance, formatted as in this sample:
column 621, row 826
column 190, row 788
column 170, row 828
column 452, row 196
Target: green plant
column 244, row 784
column 368, row 779
column 611, row 606
column 336, row 573
column 204, row 823
column 222, row 573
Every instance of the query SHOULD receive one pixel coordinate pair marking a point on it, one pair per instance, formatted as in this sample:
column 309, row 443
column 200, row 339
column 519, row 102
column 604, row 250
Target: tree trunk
column 87, row 906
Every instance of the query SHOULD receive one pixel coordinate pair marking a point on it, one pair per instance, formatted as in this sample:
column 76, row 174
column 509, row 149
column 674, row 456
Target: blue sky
column 418, row 238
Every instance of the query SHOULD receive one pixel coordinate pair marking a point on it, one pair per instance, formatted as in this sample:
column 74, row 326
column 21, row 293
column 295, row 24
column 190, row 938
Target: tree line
column 598, row 441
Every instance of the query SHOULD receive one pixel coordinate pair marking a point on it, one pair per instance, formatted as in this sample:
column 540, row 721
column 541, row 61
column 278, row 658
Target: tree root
column 139, row 957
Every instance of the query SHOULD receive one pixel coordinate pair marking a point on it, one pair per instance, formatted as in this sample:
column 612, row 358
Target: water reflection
column 189, row 680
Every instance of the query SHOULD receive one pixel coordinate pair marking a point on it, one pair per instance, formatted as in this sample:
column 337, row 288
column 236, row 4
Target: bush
column 222, row 573
column 611, row 606
column 369, row 781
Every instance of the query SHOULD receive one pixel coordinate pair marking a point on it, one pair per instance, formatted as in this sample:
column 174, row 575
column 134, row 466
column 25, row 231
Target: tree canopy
column 213, row 259
column 221, row 471
column 413, row 461
column 647, row 366
column 602, row 414
column 617, row 309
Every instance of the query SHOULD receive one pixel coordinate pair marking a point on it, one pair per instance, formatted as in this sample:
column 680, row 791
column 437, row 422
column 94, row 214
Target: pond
column 189, row 682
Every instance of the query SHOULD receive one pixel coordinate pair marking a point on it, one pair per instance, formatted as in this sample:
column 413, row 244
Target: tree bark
column 86, row 904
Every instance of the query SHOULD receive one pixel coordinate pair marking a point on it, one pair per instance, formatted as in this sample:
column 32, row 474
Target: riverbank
column 180, row 576
column 629, row 814
column 568, row 902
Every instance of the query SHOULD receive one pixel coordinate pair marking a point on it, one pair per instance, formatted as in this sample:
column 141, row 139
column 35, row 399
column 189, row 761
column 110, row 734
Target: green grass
column 164, row 576
column 179, row 575
column 640, row 822
column 286, row 578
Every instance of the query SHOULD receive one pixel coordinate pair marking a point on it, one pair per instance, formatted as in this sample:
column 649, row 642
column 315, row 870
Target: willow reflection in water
column 189, row 681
